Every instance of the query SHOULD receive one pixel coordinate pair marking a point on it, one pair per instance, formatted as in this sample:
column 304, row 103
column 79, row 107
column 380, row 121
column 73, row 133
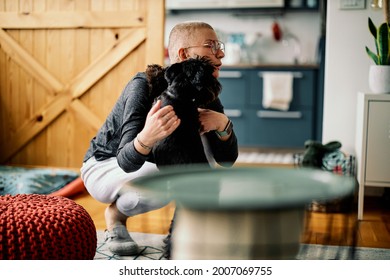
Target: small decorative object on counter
column 311, row 3
column 233, row 49
column 296, row 3
column 253, row 47
column 276, row 31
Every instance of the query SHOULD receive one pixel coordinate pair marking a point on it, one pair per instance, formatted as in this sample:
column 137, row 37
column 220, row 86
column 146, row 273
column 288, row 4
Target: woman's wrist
column 224, row 124
column 146, row 147
column 225, row 133
column 141, row 145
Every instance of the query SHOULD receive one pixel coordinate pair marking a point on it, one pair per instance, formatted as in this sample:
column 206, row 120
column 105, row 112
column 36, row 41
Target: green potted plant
column 379, row 74
column 382, row 43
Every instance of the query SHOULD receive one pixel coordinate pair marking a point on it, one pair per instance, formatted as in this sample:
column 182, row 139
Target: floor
column 321, row 228
column 339, row 227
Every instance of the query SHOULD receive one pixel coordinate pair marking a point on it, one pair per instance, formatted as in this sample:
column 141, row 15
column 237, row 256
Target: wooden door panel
column 63, row 64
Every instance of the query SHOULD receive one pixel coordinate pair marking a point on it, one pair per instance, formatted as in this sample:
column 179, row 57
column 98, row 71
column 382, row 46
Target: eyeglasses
column 215, row 46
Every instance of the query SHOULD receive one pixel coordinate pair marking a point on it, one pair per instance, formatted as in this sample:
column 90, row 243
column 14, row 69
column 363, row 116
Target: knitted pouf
column 40, row 227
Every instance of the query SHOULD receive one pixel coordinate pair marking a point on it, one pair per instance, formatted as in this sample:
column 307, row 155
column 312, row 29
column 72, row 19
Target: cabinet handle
column 233, row 113
column 296, row 75
column 279, row 115
column 230, row 74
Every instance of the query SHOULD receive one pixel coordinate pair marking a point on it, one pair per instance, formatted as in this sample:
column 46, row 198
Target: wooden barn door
column 63, row 64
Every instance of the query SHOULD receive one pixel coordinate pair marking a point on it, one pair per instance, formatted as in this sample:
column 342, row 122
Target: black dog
column 190, row 85
column 186, row 86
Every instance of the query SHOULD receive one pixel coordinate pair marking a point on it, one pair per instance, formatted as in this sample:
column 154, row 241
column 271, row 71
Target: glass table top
column 245, row 187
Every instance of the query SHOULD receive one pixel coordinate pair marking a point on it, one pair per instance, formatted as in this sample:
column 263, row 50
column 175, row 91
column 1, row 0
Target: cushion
column 71, row 189
column 41, row 227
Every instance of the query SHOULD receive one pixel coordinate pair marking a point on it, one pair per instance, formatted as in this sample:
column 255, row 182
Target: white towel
column 277, row 90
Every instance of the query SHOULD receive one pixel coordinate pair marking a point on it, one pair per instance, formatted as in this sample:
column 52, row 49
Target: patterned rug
column 151, row 249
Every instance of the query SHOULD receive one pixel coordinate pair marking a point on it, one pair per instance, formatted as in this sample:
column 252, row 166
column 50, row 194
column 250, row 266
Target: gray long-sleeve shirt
column 116, row 136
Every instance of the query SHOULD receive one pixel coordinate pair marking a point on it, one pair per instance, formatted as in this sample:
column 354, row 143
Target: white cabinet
column 372, row 143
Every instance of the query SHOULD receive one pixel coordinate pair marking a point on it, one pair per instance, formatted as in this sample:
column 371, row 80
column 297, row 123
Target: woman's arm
column 136, row 105
column 142, row 126
column 225, row 149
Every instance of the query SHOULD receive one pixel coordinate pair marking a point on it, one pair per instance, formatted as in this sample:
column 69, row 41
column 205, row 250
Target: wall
column 346, row 70
column 304, row 25
column 346, row 66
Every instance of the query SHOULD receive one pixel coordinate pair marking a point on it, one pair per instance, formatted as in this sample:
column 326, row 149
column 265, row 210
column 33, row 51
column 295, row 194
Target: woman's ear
column 182, row 53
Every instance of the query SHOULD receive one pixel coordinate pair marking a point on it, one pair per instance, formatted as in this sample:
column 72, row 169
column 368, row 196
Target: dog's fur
column 186, row 86
column 189, row 85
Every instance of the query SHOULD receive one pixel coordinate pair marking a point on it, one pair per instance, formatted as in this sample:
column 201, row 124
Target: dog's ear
column 155, row 76
column 172, row 72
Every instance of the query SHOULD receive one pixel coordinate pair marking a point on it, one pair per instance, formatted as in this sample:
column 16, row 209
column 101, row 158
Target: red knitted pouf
column 40, row 227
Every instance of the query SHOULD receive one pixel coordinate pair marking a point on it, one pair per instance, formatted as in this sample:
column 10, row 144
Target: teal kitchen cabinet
column 235, row 99
column 256, row 126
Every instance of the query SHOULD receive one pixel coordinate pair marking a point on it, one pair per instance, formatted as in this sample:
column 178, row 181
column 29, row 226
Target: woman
column 121, row 150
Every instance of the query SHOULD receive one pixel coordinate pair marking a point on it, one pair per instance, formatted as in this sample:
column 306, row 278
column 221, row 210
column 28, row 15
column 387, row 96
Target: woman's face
column 205, row 44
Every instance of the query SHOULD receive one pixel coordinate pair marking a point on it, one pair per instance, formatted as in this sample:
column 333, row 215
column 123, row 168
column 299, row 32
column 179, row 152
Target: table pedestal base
column 234, row 234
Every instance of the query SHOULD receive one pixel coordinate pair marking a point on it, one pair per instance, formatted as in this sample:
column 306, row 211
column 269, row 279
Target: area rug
column 22, row 180
column 328, row 252
column 151, row 249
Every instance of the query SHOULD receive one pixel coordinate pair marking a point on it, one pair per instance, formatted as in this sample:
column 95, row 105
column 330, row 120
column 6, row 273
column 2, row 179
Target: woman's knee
column 134, row 203
column 127, row 202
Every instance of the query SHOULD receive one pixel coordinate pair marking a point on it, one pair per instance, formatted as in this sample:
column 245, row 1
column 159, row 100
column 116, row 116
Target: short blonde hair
column 180, row 36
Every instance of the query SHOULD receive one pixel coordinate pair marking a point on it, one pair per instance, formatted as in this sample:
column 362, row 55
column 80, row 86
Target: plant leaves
column 383, row 43
column 373, row 56
column 373, row 31
column 372, row 27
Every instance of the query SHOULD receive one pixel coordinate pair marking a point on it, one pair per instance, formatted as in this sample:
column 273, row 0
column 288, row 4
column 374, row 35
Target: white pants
column 105, row 180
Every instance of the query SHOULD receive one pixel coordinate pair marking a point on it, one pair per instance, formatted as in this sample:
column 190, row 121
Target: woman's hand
column 160, row 122
column 211, row 120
